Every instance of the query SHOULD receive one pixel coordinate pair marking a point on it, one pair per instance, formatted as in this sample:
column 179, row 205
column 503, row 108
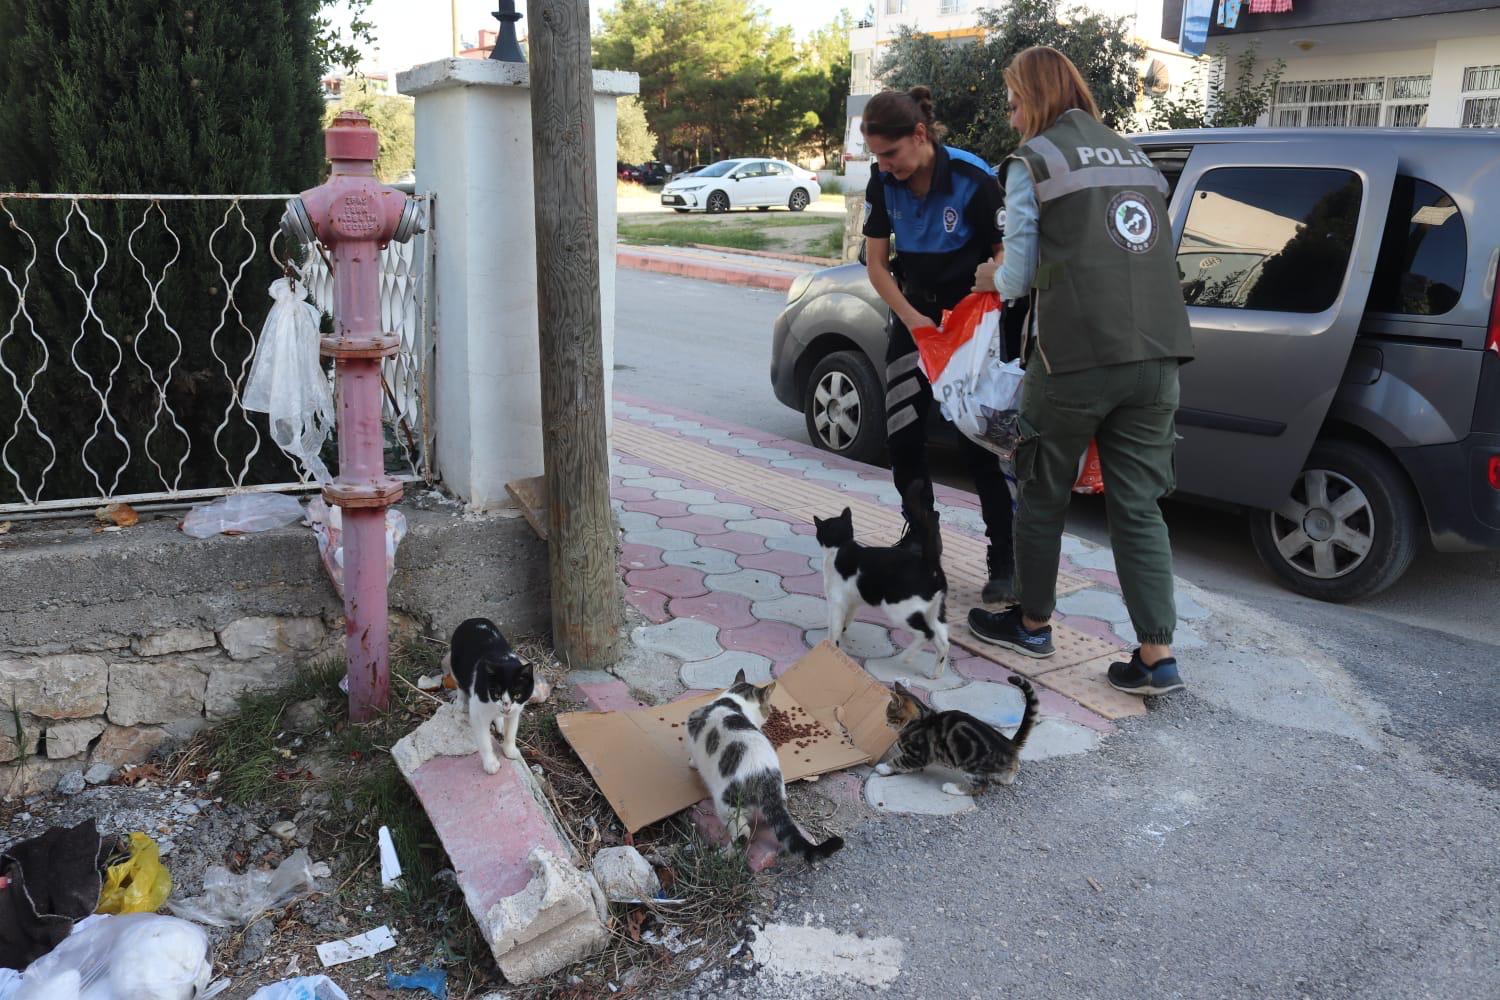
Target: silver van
column 1346, row 393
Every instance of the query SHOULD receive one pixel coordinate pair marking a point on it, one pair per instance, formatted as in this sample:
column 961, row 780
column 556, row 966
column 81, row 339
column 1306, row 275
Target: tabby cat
column 956, row 740
column 738, row 764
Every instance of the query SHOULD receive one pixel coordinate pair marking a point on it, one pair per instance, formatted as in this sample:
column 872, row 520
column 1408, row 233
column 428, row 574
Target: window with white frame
column 1353, row 101
column 860, row 81
column 895, row 6
column 952, row 6
column 1481, row 97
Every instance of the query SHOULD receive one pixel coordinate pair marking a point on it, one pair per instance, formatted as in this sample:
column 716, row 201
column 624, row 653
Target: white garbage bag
column 287, row 382
column 132, row 956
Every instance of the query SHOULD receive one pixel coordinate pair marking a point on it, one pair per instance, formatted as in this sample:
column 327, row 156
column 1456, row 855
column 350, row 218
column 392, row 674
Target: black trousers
column 908, row 399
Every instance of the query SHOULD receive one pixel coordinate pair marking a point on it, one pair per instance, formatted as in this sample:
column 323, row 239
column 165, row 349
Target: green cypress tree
column 145, row 96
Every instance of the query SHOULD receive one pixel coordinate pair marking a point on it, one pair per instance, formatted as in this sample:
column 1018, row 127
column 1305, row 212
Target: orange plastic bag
column 1090, row 474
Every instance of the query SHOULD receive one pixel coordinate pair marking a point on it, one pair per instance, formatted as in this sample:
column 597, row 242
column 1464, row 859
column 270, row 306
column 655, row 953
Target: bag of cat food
column 975, row 388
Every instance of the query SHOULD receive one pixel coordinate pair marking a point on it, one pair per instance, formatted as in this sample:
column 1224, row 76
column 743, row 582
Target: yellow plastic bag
column 139, row 884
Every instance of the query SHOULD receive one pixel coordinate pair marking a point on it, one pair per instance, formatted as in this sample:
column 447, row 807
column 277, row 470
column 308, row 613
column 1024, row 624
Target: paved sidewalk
column 719, row 558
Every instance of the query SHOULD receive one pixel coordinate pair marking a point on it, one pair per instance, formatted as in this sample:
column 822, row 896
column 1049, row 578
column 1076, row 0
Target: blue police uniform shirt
column 943, row 237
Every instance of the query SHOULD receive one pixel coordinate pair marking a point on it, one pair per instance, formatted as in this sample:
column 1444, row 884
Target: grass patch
column 833, row 185
column 832, row 245
column 682, row 233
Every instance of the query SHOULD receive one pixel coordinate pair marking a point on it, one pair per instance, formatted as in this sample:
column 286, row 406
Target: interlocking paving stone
column 1189, row 609
column 784, row 564
column 652, row 483
column 650, row 603
column 810, row 584
column 781, row 642
column 764, row 526
column 687, row 496
column 684, row 638
column 724, row 610
column 860, row 640
column 640, row 557
column 661, row 508
column 1001, row 705
column 635, row 520
column 799, row 542
column 753, row 583
column 673, row 581
column 662, row 538
column 920, row 793
column 1099, row 604
column 698, row 524
column 1058, row 738
column 1100, row 558
column 723, row 511
column 709, row 560
column 718, row 672
column 737, row 542
column 889, row 669
column 798, row 609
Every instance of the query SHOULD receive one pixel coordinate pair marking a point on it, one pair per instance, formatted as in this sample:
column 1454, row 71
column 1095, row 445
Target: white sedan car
column 743, row 183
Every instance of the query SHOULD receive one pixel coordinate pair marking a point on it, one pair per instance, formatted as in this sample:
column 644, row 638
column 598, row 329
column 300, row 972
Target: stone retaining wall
column 113, row 643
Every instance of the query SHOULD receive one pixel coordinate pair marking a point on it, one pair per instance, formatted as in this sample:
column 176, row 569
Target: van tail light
column 1492, row 342
column 1495, row 472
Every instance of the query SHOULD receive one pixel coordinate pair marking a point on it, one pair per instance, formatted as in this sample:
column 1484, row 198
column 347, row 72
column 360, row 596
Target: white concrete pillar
column 474, row 154
column 1452, row 57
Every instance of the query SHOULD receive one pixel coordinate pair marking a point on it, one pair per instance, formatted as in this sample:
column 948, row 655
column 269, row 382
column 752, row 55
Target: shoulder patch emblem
column 1000, row 220
column 1131, row 223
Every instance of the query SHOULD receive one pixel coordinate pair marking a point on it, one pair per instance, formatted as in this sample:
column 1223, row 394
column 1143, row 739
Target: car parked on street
column 1346, row 393
column 750, row 182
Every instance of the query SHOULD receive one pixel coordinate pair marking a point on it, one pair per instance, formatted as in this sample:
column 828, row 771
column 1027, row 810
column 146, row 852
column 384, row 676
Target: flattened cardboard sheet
column 639, row 759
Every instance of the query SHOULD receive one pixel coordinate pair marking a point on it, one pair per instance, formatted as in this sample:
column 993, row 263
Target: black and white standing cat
column 738, row 764
column 956, row 740
column 494, row 683
column 906, row 582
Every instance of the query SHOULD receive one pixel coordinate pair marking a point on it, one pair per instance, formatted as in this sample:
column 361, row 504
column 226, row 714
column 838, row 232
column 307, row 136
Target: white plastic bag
column 327, row 523
column 288, row 383
column 305, row 988
column 133, row 956
column 242, row 513
column 231, row 900
column 976, row 390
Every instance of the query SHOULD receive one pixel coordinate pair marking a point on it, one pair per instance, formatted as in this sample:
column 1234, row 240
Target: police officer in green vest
column 1087, row 233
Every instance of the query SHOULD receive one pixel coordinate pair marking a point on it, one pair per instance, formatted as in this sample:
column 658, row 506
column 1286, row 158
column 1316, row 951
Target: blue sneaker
column 1006, row 629
column 1137, row 678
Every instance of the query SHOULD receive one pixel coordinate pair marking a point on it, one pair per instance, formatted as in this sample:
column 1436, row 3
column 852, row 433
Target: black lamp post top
column 507, row 48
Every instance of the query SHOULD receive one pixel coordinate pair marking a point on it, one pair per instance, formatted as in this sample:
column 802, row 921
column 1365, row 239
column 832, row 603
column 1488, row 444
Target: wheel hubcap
column 1326, row 528
column 836, row 410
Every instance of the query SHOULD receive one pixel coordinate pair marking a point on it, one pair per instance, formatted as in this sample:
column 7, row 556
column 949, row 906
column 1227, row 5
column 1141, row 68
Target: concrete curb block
column 706, row 272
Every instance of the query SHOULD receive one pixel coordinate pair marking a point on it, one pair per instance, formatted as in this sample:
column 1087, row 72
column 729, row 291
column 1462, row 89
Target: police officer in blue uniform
column 946, row 211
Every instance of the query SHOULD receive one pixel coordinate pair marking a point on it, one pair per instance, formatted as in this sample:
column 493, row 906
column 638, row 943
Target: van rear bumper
column 1452, row 480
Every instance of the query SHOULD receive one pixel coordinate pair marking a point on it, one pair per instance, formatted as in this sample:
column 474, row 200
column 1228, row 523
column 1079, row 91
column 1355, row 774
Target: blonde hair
column 1047, row 84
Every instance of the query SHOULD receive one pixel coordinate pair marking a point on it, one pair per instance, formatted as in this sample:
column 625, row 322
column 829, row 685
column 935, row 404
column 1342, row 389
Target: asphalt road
column 1315, row 817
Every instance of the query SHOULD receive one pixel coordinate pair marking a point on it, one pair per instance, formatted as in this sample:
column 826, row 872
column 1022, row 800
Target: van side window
column 1424, row 253
column 1269, row 238
column 1169, row 160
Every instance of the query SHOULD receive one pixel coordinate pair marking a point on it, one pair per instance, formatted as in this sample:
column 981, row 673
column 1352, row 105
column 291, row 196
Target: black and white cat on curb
column 738, row 764
column 904, row 581
column 957, row 740
column 494, row 685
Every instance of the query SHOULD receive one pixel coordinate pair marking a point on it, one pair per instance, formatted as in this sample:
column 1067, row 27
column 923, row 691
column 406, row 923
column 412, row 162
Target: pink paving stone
column 1093, row 627
column 741, row 543
column 650, row 404
column 724, row 610
column 633, row 556
column 672, row 581
column 977, row 668
column 811, row 584
column 780, row 641
column 631, row 494
column 697, row 524
column 661, row 508
column 1107, row 577
column 650, row 603
column 783, row 564
column 842, row 786
column 776, row 515
column 488, row 824
column 608, row 696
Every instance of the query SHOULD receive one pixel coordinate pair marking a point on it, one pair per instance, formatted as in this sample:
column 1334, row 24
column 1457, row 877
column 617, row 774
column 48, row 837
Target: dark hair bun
column 923, row 96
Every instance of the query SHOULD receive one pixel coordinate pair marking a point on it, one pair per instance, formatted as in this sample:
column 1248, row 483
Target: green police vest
column 1106, row 290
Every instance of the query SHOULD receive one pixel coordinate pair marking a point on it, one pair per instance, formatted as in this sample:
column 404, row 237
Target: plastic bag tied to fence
column 328, row 524
column 242, row 513
column 287, row 381
column 977, row 391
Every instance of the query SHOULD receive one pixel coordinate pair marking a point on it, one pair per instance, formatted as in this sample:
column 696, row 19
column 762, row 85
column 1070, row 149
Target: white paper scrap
column 350, row 949
column 390, row 865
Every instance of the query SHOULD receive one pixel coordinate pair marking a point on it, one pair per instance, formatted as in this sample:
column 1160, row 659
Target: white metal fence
column 127, row 328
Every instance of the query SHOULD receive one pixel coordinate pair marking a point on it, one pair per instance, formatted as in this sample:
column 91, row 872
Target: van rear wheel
column 1349, row 529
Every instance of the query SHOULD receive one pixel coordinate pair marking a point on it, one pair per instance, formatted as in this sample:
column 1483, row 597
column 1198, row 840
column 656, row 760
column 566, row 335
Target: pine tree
column 146, row 96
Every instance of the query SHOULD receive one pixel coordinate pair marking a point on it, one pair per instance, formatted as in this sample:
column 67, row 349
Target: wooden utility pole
column 581, row 532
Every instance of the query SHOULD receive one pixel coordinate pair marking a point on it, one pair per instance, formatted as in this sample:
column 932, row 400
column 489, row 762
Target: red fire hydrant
column 354, row 216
